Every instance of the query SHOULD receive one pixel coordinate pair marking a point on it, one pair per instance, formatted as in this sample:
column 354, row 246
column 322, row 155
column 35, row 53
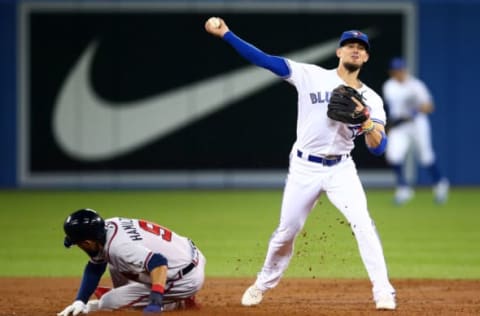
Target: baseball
column 214, row 22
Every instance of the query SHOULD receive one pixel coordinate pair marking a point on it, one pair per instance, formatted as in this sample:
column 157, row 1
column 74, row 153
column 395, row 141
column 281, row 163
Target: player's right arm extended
column 277, row 65
column 91, row 277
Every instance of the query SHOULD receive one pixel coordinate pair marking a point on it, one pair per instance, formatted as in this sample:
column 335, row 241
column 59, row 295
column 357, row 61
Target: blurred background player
column 409, row 103
column 150, row 266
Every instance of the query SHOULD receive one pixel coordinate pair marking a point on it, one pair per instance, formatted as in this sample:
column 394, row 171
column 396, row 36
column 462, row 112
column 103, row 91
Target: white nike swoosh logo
column 89, row 128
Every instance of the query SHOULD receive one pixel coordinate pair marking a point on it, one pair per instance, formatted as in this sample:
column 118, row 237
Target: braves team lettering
column 130, row 229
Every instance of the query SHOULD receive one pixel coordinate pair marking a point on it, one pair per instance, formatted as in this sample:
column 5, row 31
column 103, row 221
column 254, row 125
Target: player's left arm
column 157, row 266
column 374, row 132
column 138, row 259
column 375, row 137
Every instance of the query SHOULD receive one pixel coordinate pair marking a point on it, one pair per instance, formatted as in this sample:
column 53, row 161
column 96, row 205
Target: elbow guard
column 380, row 149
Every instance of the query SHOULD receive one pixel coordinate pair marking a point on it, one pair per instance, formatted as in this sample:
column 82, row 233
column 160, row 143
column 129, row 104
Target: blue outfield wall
column 448, row 43
column 447, row 48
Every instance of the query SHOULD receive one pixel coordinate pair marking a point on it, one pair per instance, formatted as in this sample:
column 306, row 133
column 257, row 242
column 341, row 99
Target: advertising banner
column 141, row 94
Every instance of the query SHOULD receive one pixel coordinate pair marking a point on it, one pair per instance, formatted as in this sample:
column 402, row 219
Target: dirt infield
column 221, row 296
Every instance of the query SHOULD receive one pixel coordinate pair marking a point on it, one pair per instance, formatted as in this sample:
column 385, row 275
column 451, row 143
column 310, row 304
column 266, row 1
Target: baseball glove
column 342, row 108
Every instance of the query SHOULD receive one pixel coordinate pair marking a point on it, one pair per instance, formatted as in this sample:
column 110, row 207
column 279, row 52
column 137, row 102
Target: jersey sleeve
column 275, row 64
column 133, row 257
column 386, row 92
column 377, row 111
column 387, row 99
column 298, row 73
column 422, row 93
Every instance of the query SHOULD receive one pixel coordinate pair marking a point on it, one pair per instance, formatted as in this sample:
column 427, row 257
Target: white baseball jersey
column 405, row 98
column 130, row 243
column 316, row 133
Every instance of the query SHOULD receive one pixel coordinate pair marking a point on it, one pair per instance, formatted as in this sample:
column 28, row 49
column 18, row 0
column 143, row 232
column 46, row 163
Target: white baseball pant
column 305, row 183
column 127, row 293
column 416, row 132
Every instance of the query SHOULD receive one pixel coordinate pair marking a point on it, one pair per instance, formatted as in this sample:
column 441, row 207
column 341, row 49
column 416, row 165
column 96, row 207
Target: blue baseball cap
column 398, row 63
column 354, row 35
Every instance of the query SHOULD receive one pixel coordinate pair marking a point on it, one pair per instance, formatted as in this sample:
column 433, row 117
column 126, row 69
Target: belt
column 330, row 161
column 188, row 268
column 194, row 262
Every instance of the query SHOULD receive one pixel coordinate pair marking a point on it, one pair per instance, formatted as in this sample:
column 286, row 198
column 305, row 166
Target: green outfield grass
column 421, row 239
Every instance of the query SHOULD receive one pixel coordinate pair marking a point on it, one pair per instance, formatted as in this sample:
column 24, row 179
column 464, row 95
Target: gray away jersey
column 130, row 243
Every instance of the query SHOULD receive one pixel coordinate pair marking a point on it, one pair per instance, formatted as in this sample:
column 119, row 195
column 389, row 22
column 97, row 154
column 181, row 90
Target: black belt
column 194, row 262
column 188, row 268
column 396, row 122
column 330, row 161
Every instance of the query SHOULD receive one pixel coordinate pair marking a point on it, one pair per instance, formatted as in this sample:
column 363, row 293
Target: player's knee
column 110, row 301
column 362, row 224
column 427, row 160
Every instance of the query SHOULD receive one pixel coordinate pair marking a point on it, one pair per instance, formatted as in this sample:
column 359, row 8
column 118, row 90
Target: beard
column 351, row 67
column 93, row 251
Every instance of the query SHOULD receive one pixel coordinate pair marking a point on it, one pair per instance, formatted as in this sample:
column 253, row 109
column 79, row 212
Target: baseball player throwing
column 320, row 160
column 150, row 266
column 409, row 102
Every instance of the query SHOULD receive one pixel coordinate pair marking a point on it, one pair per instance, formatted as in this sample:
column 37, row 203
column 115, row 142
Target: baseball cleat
column 188, row 303
column 191, row 303
column 252, row 296
column 386, row 302
column 440, row 190
column 403, row 194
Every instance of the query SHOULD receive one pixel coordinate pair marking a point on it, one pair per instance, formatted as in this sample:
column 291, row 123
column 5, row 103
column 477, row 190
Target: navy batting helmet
column 84, row 224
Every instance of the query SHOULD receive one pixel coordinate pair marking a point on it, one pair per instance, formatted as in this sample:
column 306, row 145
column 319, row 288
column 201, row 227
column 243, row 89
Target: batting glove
column 93, row 305
column 76, row 308
column 155, row 305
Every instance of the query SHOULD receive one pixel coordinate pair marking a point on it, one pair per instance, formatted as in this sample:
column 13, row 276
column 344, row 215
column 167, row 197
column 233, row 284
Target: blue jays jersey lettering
column 320, row 97
column 316, row 133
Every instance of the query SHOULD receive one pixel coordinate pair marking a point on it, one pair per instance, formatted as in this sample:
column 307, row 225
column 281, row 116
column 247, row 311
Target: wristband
column 369, row 128
column 158, row 288
column 380, row 149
